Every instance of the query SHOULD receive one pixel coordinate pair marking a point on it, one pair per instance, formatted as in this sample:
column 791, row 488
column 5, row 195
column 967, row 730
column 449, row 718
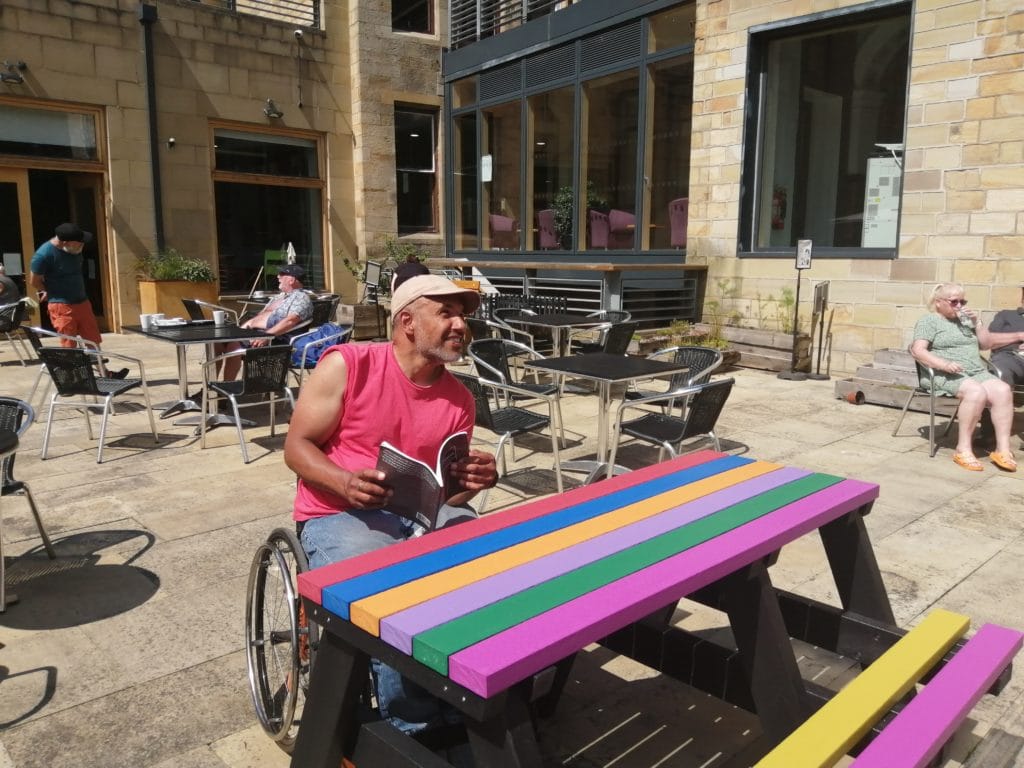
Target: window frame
column 431, row 16
column 760, row 38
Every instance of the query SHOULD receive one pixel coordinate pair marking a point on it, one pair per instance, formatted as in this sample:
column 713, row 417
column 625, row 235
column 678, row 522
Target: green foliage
column 171, row 264
column 395, row 252
column 564, row 206
column 775, row 313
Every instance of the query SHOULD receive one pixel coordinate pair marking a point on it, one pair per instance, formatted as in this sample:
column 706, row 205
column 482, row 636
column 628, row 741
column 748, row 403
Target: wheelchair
column 280, row 642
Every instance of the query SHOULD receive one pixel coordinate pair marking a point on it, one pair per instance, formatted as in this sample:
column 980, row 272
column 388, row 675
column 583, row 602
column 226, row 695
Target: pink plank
column 398, row 630
column 494, row 664
column 312, row 582
column 918, row 732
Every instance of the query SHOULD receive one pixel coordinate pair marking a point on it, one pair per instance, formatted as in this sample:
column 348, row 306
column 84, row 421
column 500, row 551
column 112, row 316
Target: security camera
column 170, row 142
column 298, row 34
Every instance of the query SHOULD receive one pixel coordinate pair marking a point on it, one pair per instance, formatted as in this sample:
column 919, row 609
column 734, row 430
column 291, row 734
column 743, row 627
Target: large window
column 550, row 169
column 268, row 192
column 415, row 166
column 580, row 148
column 500, row 175
column 829, row 111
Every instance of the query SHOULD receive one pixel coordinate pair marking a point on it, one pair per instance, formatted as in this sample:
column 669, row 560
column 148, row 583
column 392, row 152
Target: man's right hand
column 365, row 489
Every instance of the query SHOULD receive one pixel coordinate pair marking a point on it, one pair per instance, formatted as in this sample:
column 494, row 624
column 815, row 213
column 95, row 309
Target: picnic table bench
column 488, row 615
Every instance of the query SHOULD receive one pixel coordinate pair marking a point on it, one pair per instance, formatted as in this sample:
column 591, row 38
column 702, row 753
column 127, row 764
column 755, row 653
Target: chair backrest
column 705, row 407
column 478, row 329
column 71, row 371
column 265, row 369
column 484, row 417
column 617, row 338
column 678, row 220
column 491, row 353
column 611, row 315
column 323, row 311
column 598, row 229
column 193, row 309
column 15, row 416
column 546, row 227
column 700, row 361
column 11, row 315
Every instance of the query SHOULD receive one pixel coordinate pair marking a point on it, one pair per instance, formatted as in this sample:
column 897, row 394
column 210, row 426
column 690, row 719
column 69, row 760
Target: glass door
column 15, row 226
column 84, row 202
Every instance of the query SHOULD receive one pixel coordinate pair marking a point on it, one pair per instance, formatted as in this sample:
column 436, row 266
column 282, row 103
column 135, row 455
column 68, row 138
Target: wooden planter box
column 369, row 321
column 767, row 350
column 166, row 295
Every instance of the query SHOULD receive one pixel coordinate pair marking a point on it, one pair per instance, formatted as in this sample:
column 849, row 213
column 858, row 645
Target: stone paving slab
column 127, row 650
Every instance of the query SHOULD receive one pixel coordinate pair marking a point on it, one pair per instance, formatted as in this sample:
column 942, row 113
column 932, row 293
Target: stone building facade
column 962, row 211
column 268, row 128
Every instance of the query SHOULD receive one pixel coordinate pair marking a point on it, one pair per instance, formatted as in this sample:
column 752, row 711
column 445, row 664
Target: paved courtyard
column 128, row 649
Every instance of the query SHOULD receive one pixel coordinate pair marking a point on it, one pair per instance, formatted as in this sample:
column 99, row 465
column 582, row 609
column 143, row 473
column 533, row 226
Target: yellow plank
column 831, row 731
column 368, row 612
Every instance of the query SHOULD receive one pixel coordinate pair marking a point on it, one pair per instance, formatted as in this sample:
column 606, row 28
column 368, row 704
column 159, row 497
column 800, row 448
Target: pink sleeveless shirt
column 381, row 403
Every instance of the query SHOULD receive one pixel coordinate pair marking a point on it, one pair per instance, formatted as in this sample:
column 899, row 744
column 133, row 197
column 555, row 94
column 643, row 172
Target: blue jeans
column 329, row 539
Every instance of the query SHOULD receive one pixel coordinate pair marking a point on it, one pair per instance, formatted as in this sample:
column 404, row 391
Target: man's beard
column 441, row 352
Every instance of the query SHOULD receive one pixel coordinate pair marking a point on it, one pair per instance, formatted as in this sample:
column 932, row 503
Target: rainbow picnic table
column 488, row 615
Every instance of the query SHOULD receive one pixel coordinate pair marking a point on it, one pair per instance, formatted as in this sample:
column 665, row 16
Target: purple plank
column 918, row 732
column 399, row 628
column 494, row 664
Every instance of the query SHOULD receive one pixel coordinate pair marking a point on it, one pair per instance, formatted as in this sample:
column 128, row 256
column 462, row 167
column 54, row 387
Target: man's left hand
column 477, row 471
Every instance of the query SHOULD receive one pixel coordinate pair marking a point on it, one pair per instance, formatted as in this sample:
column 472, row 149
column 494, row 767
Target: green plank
column 434, row 646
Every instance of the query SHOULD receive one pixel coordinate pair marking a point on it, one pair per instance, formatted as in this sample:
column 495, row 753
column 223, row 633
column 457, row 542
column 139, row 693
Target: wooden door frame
column 93, row 182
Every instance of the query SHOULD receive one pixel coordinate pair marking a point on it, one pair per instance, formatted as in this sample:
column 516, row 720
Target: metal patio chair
column 668, row 432
column 11, row 317
column 264, row 372
column 74, row 374
column 700, row 362
column 510, row 421
column 35, row 336
column 17, row 416
column 926, row 373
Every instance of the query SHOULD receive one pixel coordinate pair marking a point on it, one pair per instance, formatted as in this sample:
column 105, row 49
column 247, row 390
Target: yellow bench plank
column 831, row 731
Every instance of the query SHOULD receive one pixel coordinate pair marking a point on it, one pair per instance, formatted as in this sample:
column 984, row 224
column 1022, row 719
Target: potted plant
column 167, row 277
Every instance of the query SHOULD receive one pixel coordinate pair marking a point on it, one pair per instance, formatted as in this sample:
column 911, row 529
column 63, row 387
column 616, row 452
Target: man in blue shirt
column 56, row 273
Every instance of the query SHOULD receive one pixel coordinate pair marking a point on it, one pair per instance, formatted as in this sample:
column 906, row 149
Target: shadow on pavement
column 78, row 588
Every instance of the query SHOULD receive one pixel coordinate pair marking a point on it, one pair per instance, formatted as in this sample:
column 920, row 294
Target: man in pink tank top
column 360, row 395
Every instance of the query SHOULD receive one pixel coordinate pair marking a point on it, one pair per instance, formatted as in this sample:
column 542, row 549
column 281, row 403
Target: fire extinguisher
column 779, row 208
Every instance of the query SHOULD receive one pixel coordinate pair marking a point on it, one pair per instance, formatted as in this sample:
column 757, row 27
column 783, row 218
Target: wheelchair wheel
column 280, row 643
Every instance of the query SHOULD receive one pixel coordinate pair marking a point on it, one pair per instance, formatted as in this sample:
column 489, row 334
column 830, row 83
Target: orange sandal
column 967, row 461
column 1003, row 461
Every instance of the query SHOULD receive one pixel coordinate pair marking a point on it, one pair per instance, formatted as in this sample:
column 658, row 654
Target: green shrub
column 171, row 264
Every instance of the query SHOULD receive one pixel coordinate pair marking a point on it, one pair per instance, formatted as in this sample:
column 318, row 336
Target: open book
column 419, row 490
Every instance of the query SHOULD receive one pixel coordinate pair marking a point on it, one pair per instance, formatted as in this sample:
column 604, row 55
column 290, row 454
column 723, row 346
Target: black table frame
column 558, row 323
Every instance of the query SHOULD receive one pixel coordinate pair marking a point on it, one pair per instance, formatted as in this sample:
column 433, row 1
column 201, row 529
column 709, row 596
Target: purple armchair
column 678, row 219
column 504, row 231
column 598, row 229
column 622, row 229
column 548, row 238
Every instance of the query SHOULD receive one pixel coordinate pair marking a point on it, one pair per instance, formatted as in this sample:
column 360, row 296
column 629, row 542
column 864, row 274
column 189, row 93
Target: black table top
column 602, row 366
column 198, row 333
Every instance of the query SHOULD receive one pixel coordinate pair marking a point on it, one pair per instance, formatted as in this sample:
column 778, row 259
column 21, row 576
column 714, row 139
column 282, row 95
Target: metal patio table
column 198, row 332
column 558, row 323
column 605, row 369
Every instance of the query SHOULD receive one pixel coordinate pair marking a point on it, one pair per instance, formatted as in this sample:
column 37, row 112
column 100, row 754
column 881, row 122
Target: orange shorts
column 74, row 320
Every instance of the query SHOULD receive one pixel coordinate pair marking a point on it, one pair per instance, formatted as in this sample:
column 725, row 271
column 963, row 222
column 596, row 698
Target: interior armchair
column 621, row 230
column 504, row 232
column 678, row 221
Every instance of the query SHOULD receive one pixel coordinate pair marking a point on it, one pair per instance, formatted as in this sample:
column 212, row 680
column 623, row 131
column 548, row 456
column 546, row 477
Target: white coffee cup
column 220, row 317
column 158, row 318
column 146, row 321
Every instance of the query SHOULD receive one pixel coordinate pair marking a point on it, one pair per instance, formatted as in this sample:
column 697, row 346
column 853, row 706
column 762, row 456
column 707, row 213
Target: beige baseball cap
column 434, row 287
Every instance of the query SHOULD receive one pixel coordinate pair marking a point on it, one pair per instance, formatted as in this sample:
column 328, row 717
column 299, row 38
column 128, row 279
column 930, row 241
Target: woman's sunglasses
column 956, row 302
